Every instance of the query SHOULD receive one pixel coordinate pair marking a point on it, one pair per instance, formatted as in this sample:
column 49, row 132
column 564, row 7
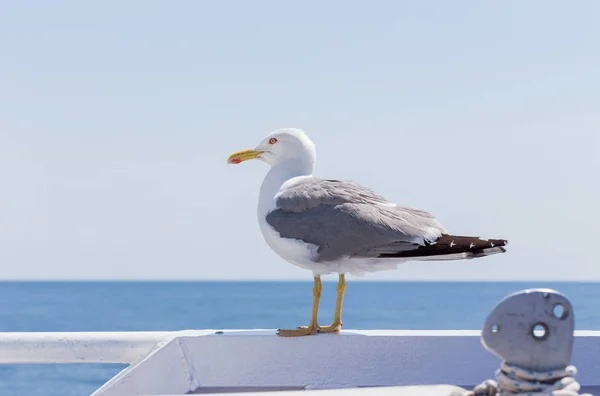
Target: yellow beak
column 244, row 155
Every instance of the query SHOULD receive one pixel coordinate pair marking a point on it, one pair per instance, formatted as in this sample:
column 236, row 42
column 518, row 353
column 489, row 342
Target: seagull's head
column 282, row 145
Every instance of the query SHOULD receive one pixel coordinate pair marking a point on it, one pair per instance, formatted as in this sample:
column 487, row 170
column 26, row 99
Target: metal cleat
column 532, row 332
column 532, row 329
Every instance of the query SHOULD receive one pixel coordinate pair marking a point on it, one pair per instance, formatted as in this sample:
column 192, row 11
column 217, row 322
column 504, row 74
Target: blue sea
column 139, row 306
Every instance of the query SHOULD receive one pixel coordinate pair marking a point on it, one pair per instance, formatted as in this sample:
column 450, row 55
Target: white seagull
column 334, row 226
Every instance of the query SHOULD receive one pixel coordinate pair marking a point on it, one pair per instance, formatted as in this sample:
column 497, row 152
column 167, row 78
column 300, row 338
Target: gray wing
column 345, row 219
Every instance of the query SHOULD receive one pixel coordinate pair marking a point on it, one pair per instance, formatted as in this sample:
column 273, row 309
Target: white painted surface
column 121, row 347
column 173, row 363
column 259, row 359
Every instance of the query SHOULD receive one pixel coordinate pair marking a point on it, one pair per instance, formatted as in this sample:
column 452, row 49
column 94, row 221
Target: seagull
column 340, row 227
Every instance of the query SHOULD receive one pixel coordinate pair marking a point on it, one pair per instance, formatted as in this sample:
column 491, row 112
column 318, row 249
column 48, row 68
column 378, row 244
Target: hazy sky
column 116, row 120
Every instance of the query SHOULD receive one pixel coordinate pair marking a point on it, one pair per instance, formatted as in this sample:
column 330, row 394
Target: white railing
column 83, row 347
column 175, row 363
column 130, row 347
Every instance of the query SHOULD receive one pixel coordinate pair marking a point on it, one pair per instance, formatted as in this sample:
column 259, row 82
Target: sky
column 116, row 120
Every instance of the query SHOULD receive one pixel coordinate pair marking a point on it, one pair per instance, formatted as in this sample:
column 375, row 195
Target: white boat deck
column 232, row 361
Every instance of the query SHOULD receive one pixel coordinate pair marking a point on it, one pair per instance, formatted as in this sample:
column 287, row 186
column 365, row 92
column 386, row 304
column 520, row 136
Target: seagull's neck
column 277, row 176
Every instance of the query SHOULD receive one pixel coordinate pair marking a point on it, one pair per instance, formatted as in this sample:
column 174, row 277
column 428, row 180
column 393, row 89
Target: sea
column 140, row 306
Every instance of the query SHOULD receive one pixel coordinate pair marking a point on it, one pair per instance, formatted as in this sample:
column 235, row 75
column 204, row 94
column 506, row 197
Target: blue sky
column 116, row 119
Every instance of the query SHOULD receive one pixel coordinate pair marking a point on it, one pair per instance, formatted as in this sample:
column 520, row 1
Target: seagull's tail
column 452, row 247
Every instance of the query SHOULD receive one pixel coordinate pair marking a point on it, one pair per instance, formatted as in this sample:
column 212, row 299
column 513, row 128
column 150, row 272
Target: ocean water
column 138, row 306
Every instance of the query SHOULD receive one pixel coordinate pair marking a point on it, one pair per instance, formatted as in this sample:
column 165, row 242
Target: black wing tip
column 452, row 244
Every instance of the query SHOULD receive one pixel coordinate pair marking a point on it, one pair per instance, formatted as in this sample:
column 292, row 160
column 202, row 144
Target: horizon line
column 284, row 280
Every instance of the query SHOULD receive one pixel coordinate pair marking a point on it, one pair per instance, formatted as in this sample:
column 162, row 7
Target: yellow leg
column 313, row 326
column 337, row 317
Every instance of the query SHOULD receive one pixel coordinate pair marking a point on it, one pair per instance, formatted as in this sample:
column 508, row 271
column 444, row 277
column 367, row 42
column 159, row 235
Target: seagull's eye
column 272, row 141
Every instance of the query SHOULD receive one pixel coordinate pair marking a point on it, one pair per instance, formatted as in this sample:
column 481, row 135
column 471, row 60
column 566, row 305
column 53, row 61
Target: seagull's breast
column 294, row 251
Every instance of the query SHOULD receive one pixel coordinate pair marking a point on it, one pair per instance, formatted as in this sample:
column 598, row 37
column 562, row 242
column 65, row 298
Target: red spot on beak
column 235, row 161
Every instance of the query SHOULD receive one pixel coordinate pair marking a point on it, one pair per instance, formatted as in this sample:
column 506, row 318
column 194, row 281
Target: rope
column 512, row 380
